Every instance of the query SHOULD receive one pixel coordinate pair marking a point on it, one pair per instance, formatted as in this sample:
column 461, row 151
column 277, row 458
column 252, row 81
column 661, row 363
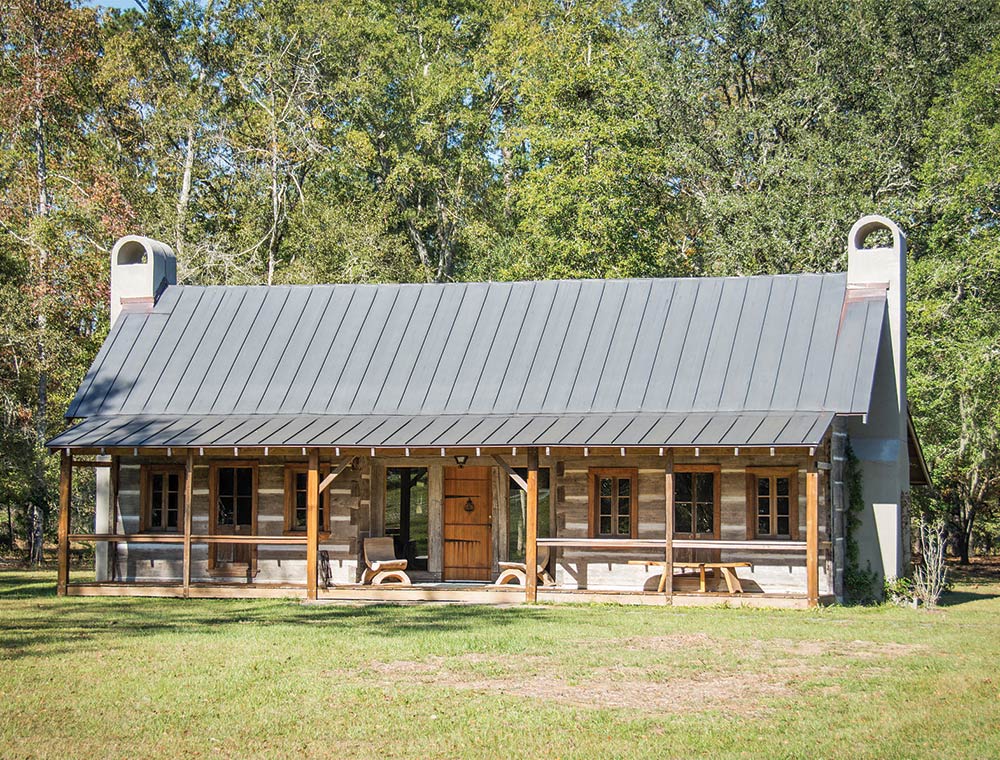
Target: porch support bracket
column 336, row 473
column 513, row 475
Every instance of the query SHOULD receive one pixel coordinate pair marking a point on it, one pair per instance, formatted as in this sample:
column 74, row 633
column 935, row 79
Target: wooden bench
column 728, row 570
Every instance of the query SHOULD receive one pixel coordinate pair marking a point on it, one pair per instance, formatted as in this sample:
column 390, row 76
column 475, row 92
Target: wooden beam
column 513, row 475
column 65, row 495
column 90, row 463
column 188, row 516
column 531, row 529
column 312, row 524
column 668, row 485
column 116, row 482
column 328, row 480
column 435, row 517
column 812, row 535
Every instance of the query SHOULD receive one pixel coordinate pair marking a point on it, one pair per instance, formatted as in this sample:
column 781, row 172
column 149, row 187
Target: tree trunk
column 272, row 245
column 183, row 200
column 41, row 321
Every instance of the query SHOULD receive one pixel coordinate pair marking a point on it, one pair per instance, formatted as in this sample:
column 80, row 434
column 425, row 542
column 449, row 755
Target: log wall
column 349, row 500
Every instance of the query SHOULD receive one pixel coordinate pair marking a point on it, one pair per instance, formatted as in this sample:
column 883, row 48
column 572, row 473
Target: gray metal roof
column 452, row 430
column 781, row 343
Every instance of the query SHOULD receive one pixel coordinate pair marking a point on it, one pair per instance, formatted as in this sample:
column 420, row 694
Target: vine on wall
column 859, row 583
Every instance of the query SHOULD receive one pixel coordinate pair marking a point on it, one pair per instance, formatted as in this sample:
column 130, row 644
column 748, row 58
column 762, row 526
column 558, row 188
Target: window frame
column 213, row 489
column 595, row 474
column 716, row 471
column 213, row 513
column 146, row 473
column 291, row 470
column 773, row 473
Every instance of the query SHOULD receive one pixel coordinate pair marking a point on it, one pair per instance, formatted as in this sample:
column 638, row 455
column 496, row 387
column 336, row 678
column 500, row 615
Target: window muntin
column 772, row 496
column 162, row 498
column 517, row 507
column 234, row 496
column 614, row 502
column 696, row 501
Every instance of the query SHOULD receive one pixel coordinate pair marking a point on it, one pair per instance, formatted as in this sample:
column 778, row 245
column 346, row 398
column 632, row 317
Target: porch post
column 188, row 509
column 531, row 530
column 65, row 494
column 668, row 567
column 312, row 523
column 116, row 480
column 812, row 535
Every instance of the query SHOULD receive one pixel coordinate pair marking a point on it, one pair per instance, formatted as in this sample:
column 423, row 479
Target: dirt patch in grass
column 761, row 647
column 622, row 687
column 776, row 669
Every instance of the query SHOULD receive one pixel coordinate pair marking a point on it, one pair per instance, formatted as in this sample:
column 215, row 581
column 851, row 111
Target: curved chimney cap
column 140, row 269
column 137, row 249
column 867, row 225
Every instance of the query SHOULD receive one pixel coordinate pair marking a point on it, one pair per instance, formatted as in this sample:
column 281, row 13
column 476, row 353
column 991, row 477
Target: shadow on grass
column 956, row 598
column 48, row 625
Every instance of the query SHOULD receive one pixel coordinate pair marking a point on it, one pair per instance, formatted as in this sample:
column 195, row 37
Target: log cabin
column 655, row 441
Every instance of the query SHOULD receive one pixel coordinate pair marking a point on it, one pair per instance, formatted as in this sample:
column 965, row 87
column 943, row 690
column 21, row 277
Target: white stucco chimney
column 883, row 265
column 880, row 439
column 140, row 268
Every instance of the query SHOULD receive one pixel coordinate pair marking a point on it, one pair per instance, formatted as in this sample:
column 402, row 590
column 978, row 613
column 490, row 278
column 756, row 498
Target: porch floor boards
column 440, row 592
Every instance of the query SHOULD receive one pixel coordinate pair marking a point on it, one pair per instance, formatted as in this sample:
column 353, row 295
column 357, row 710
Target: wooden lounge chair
column 515, row 573
column 382, row 563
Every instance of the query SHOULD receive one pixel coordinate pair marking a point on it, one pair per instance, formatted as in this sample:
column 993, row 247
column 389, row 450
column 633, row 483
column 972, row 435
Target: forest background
column 303, row 141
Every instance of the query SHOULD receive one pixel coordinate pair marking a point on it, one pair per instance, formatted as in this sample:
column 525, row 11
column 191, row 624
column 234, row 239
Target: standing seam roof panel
column 294, row 354
column 230, row 343
column 158, row 357
column 376, row 375
column 623, row 344
column 272, row 352
column 250, row 363
column 818, row 361
column 707, row 390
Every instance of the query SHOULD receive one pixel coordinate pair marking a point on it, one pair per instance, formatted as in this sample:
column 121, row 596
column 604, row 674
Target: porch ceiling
column 417, row 431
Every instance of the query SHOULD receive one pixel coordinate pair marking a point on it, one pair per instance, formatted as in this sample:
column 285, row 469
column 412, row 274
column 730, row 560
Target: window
column 406, row 513
column 296, row 491
column 772, row 503
column 232, row 499
column 234, row 496
column 162, row 499
column 613, row 503
column 517, row 511
column 696, row 501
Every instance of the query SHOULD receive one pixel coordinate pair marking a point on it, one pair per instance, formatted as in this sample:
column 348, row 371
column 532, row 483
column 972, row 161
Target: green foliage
column 859, row 582
column 284, row 141
column 955, row 304
column 899, row 591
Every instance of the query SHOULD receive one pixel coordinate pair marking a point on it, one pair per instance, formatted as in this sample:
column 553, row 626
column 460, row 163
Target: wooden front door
column 233, row 494
column 468, row 524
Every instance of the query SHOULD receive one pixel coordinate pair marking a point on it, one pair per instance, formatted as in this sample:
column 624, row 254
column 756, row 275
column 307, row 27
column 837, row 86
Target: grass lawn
column 169, row 678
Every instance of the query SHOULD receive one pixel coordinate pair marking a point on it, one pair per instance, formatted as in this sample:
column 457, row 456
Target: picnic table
column 728, row 570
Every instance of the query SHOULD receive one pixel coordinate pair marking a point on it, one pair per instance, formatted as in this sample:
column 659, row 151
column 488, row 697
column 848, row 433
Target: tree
column 955, row 309
column 54, row 192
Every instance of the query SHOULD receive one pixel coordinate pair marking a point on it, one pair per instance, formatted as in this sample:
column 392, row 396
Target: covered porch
column 528, row 501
